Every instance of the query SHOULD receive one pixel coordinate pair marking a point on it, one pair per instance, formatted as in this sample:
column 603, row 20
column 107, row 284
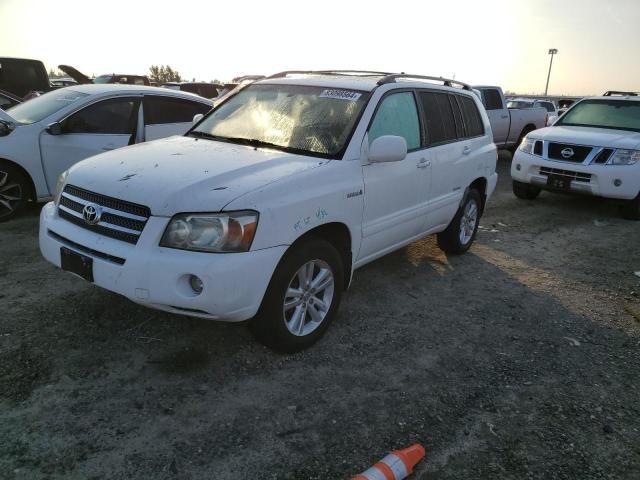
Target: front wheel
column 14, row 191
column 461, row 232
column 630, row 210
column 525, row 191
column 302, row 297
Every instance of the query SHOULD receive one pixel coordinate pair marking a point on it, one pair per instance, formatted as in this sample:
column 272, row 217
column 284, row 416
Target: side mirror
column 197, row 117
column 388, row 148
column 54, row 129
column 5, row 128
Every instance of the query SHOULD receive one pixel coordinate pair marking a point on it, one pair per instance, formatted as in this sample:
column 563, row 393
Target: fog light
column 617, row 182
column 196, row 284
column 518, row 167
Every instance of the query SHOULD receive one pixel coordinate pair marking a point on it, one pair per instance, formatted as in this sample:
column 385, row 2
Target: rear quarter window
column 472, row 119
column 163, row 110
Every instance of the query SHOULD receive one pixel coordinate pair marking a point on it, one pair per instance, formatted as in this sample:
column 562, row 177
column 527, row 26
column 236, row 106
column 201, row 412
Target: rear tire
column 630, row 210
column 302, row 298
column 14, row 191
column 461, row 232
column 525, row 191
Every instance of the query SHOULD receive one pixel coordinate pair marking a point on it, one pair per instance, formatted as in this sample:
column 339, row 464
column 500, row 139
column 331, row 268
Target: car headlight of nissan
column 526, row 145
column 211, row 232
column 625, row 157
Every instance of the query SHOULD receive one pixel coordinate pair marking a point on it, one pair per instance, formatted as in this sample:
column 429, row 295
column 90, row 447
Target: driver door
column 97, row 128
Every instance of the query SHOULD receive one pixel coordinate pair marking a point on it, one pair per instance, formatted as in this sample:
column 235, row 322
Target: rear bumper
column 157, row 277
column 596, row 180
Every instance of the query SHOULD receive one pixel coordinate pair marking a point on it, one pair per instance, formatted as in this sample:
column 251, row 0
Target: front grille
column 118, row 219
column 579, row 152
column 537, row 147
column 603, row 156
column 575, row 176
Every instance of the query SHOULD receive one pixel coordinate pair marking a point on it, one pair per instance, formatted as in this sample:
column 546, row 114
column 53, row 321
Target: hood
column 183, row 174
column 596, row 137
column 78, row 76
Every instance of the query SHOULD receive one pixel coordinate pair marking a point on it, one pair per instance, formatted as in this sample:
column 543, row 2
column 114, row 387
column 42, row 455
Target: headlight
column 60, row 185
column 527, row 145
column 625, row 157
column 211, row 232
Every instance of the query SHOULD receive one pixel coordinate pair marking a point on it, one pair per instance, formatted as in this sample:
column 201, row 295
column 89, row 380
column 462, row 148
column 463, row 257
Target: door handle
column 106, row 149
column 424, row 163
column 466, row 150
column 504, row 116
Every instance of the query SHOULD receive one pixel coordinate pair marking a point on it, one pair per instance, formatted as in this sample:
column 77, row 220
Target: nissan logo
column 91, row 214
column 567, row 152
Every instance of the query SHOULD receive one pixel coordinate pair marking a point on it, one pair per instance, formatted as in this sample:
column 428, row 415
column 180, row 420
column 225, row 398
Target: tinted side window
column 160, row 110
column 492, row 100
column 472, row 119
column 439, row 120
column 397, row 114
column 115, row 117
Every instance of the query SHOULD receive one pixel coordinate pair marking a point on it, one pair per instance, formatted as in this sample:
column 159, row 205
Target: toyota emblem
column 567, row 152
column 91, row 214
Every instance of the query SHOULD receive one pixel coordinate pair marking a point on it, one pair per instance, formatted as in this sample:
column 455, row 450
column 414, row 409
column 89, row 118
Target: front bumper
column 597, row 180
column 157, row 277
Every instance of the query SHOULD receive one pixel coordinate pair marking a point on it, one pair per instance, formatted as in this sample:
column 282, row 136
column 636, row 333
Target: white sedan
column 43, row 137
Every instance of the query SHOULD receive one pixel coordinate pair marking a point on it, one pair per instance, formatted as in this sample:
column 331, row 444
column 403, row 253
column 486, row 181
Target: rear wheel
column 630, row 210
column 461, row 232
column 526, row 191
column 302, row 297
column 14, row 191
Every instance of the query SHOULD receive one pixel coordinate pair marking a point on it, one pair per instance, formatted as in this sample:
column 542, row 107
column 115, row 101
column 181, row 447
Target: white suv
column 267, row 205
column 592, row 149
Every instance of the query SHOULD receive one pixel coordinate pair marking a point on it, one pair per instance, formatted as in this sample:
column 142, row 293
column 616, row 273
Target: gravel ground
column 518, row 360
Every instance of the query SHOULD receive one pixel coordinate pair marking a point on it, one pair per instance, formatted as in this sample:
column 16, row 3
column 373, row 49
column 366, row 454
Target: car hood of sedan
column 596, row 137
column 184, row 174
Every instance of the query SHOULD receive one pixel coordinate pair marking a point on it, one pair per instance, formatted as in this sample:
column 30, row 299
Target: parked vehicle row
column 265, row 208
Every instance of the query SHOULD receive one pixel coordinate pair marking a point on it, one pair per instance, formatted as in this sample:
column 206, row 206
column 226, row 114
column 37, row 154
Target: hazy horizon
column 494, row 42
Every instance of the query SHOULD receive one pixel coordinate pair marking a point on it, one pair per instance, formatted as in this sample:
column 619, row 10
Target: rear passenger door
column 166, row 116
column 454, row 134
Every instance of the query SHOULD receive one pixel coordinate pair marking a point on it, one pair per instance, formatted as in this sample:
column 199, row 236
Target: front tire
column 461, row 232
column 630, row 210
column 14, row 191
column 302, row 298
column 525, row 191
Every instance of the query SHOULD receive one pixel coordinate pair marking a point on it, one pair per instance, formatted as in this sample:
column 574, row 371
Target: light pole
column 552, row 52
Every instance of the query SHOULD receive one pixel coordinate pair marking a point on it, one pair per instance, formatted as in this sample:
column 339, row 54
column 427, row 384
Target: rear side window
column 492, row 100
column 111, row 117
column 162, row 110
column 397, row 114
column 472, row 119
column 439, row 117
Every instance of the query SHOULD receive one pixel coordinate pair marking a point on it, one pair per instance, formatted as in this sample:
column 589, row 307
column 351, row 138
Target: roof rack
column 447, row 82
column 363, row 73
column 611, row 93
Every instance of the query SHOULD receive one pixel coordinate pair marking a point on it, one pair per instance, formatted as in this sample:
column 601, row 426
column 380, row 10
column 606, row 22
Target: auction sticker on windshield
column 341, row 95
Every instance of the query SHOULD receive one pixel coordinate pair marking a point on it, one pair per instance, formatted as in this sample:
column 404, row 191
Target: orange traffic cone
column 395, row 466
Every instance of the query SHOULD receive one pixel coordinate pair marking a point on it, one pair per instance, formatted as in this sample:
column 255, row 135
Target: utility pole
column 552, row 52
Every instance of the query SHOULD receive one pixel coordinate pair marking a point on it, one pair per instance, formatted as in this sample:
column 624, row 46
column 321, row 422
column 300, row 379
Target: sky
column 490, row 42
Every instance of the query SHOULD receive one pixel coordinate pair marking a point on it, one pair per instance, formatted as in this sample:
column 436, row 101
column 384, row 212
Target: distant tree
column 163, row 73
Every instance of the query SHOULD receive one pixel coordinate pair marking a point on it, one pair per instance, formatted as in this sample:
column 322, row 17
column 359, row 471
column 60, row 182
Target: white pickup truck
column 509, row 125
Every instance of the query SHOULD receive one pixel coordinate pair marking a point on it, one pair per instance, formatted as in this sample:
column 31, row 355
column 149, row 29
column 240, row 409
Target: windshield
column 518, row 104
column 308, row 119
column 103, row 79
column 41, row 107
column 614, row 114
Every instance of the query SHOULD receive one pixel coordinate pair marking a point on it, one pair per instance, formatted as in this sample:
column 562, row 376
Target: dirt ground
column 518, row 360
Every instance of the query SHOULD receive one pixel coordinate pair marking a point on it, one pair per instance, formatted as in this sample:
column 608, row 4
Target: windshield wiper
column 198, row 134
column 254, row 142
